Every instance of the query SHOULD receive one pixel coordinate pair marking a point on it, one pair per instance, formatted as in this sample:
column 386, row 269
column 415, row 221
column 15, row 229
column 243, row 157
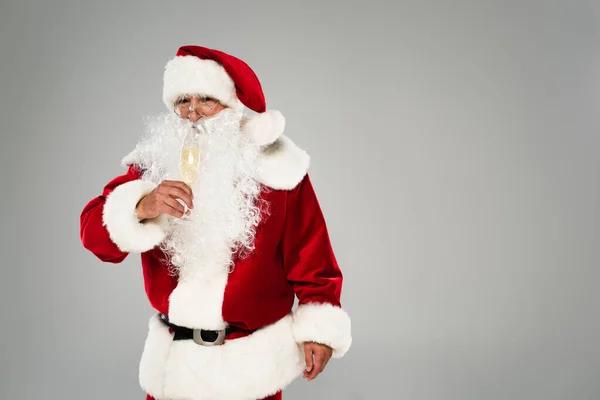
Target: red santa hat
column 213, row 73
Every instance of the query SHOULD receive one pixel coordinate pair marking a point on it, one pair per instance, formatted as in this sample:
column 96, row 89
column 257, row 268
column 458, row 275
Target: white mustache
column 227, row 117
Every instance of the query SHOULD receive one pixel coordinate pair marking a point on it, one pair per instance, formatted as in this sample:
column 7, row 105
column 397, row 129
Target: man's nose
column 194, row 116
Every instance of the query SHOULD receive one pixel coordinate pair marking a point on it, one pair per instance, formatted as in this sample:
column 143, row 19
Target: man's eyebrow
column 181, row 99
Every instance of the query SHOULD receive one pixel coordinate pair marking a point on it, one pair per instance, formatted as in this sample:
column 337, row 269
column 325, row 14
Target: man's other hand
column 316, row 356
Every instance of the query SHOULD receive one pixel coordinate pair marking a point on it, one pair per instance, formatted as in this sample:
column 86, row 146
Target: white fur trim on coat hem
column 124, row 227
column 247, row 368
column 282, row 164
column 323, row 323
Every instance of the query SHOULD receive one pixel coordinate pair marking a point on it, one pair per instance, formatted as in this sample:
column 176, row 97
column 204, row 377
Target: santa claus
column 226, row 246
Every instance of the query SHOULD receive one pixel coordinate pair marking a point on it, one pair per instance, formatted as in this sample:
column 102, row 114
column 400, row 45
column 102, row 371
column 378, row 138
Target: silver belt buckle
column 197, row 337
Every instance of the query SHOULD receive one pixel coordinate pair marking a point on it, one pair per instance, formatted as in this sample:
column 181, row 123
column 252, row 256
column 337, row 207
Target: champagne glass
column 189, row 160
column 190, row 157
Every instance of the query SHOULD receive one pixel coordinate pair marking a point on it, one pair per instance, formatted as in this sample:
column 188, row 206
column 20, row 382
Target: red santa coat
column 293, row 257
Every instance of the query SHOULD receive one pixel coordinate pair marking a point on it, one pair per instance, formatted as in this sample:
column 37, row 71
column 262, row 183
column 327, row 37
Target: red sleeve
column 93, row 233
column 313, row 271
column 309, row 260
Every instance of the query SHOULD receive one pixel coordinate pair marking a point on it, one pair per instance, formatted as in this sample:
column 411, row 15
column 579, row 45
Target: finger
column 171, row 201
column 308, row 357
column 318, row 365
column 181, row 185
column 178, row 190
column 326, row 360
column 172, row 207
column 168, row 210
column 177, row 193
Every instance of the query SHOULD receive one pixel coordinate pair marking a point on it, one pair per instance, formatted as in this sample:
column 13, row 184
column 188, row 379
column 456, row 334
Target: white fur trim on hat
column 124, row 227
column 265, row 128
column 323, row 323
column 191, row 75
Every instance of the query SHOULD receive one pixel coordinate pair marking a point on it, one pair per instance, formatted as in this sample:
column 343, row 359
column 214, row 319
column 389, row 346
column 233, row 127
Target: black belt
column 206, row 336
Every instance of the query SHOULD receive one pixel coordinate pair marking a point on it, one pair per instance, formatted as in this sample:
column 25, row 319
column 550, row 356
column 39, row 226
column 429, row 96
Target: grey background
column 454, row 150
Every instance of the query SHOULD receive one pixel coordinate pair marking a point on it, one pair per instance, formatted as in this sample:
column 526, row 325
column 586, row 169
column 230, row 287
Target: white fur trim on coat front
column 197, row 301
column 282, row 164
column 193, row 75
column 264, row 128
column 247, row 368
column 323, row 323
column 124, row 227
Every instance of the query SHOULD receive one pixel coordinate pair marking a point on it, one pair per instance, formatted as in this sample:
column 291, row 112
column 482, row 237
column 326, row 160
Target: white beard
column 226, row 209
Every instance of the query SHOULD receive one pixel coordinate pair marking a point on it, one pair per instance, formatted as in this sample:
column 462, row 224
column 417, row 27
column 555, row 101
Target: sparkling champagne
column 188, row 169
column 190, row 157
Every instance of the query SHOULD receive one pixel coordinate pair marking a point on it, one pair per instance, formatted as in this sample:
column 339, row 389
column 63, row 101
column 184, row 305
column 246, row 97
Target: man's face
column 195, row 107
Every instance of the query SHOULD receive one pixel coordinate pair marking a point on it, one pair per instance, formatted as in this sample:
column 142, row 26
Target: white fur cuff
column 323, row 323
column 122, row 223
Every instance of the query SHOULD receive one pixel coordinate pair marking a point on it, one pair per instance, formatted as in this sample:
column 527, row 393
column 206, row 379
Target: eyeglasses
column 203, row 107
